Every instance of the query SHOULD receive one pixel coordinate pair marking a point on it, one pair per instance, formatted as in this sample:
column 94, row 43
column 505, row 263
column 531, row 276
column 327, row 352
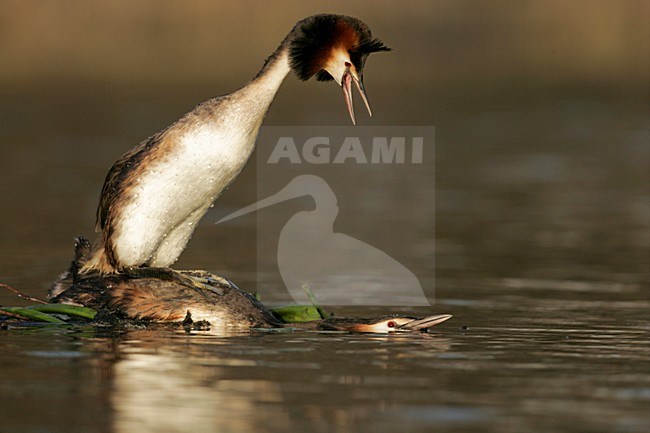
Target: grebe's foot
column 200, row 281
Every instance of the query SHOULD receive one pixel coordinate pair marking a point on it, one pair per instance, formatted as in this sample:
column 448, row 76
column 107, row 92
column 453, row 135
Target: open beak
column 346, row 85
column 424, row 323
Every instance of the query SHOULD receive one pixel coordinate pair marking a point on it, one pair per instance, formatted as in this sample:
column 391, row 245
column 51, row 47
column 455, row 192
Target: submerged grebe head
column 386, row 324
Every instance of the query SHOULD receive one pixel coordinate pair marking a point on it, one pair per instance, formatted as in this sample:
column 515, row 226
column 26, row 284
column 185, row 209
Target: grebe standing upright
column 156, row 193
column 154, row 196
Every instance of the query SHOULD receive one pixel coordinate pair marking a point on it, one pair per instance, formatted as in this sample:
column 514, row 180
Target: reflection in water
column 170, row 392
column 176, row 382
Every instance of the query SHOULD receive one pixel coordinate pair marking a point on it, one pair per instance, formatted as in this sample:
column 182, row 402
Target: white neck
column 253, row 100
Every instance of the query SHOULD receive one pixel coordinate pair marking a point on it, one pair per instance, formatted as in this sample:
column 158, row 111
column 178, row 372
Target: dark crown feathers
column 313, row 38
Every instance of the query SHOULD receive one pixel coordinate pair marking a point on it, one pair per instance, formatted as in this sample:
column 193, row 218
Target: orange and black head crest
column 317, row 39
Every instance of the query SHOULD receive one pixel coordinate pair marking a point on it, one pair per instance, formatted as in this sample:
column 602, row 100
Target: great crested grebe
column 155, row 194
column 163, row 296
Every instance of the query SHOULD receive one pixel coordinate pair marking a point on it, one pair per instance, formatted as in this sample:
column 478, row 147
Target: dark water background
column 538, row 243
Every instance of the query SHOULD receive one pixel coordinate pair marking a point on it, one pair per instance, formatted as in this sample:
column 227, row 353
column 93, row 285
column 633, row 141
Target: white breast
column 175, row 192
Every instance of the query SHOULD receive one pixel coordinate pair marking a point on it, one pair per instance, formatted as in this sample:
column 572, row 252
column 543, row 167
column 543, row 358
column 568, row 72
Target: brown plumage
column 160, row 295
column 167, row 299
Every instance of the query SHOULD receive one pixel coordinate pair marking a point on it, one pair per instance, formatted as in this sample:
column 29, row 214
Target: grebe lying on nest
column 167, row 295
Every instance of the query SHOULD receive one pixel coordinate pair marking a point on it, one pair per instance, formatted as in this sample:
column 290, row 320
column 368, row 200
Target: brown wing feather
column 118, row 178
column 148, row 299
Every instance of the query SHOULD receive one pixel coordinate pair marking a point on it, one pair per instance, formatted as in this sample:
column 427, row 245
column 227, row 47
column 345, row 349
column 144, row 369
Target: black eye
column 391, row 324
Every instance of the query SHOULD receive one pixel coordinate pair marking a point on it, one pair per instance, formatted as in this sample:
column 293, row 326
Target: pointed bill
column 346, row 85
column 362, row 91
column 425, row 323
